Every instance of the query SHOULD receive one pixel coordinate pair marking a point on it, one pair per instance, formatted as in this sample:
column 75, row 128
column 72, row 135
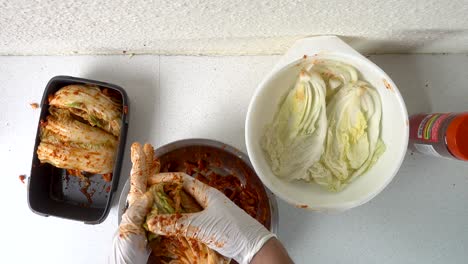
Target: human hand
column 130, row 244
column 222, row 225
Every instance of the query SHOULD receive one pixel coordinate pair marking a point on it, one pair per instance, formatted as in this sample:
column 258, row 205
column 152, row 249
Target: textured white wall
column 228, row 26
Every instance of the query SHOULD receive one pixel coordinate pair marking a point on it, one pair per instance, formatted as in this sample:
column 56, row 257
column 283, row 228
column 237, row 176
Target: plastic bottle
column 440, row 135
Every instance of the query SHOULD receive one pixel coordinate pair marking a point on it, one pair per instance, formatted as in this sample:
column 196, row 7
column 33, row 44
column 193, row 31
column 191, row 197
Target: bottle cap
column 457, row 137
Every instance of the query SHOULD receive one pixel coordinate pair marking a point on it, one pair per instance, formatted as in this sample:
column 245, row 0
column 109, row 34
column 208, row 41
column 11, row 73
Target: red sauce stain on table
column 22, row 178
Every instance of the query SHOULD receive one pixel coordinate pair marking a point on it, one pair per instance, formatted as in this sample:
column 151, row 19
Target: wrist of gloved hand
column 129, row 249
column 222, row 225
column 130, row 243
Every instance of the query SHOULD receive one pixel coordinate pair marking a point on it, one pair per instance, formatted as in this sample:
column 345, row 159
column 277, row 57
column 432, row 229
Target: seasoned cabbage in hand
column 171, row 198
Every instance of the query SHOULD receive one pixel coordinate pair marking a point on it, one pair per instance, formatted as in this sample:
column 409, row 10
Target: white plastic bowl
column 265, row 104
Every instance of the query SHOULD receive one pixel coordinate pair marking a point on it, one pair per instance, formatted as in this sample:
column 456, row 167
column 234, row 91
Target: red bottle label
column 429, row 127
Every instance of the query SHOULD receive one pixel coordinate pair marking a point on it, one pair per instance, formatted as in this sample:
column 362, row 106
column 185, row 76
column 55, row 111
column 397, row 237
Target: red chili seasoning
column 34, row 105
column 440, row 135
column 22, row 178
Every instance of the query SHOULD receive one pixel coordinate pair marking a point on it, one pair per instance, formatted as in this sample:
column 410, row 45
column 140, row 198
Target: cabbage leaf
column 294, row 141
column 353, row 141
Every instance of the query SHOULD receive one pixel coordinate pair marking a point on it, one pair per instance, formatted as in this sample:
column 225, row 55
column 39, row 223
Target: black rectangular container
column 52, row 192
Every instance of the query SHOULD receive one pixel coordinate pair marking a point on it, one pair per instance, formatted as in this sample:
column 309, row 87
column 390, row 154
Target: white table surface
column 421, row 217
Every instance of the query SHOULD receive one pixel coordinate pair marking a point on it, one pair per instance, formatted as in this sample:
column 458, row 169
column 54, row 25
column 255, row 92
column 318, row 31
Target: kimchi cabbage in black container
column 79, row 149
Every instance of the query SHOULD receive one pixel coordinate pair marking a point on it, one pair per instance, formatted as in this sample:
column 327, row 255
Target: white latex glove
column 222, row 225
column 130, row 244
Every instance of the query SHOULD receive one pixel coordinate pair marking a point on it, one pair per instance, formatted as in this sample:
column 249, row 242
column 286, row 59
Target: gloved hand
column 222, row 225
column 130, row 244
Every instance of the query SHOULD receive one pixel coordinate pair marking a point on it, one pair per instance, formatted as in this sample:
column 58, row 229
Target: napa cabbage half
column 327, row 128
column 353, row 141
column 294, row 141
